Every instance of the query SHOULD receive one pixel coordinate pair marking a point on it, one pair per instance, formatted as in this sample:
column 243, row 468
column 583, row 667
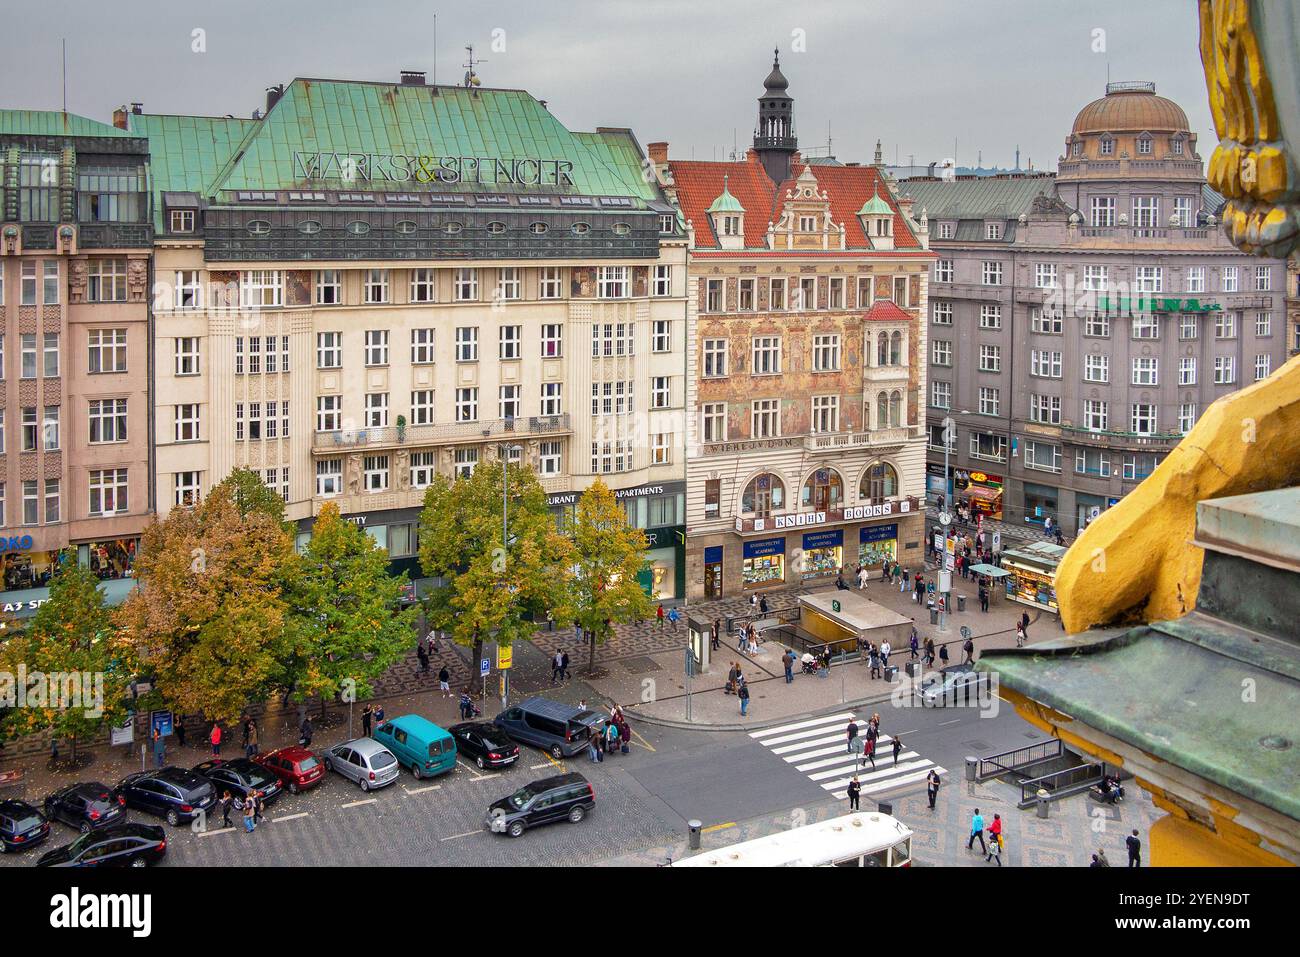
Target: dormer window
column 947, row 230
column 1077, row 148
column 181, row 220
column 992, row 230
column 1107, row 146
column 1144, row 145
column 807, row 224
column 731, row 225
column 1177, row 147
column 728, row 217
column 884, row 227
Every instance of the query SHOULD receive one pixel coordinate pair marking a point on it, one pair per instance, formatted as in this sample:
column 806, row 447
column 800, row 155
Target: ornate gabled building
column 75, row 415
column 371, row 284
column 805, row 363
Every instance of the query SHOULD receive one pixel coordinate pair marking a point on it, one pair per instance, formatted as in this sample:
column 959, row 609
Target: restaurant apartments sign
column 422, row 168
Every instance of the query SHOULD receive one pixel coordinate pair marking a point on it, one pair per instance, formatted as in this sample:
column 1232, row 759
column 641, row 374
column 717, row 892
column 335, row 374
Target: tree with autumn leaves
column 492, row 589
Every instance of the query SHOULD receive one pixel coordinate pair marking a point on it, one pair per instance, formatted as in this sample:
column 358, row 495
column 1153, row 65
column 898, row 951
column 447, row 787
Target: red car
column 298, row 768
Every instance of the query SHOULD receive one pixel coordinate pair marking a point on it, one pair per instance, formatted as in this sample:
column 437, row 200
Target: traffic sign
column 505, row 656
column 484, row 667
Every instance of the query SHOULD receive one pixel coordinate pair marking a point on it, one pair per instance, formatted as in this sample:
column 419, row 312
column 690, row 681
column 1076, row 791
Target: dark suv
column 566, row 797
column 21, row 826
column 561, row 730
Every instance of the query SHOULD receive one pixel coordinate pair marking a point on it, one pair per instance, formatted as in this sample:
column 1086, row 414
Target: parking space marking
column 214, row 831
column 637, row 739
column 475, row 776
column 289, row 817
column 538, row 767
column 431, row 787
column 456, row 837
column 360, row 803
column 717, row 827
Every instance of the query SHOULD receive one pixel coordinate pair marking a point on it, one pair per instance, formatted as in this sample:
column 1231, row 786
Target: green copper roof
column 726, row 203
column 187, row 153
column 337, row 116
column 53, row 123
column 875, row 206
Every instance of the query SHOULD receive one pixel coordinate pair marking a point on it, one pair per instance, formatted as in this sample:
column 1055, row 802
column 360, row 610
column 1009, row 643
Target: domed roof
column 1130, row 107
column 776, row 81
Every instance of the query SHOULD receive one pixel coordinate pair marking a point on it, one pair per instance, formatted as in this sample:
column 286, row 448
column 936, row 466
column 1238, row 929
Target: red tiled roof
column 882, row 310
column 699, row 184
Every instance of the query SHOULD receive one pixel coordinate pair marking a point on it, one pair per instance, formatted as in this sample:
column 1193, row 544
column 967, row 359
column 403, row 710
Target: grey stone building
column 1080, row 323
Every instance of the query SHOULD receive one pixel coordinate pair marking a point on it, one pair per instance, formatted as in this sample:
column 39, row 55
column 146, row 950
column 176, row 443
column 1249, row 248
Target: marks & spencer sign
column 422, row 168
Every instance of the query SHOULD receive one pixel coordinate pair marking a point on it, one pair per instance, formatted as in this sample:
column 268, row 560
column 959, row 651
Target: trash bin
column 694, row 840
column 934, row 616
column 972, row 767
column 961, row 602
column 913, row 669
column 1044, row 800
column 891, row 673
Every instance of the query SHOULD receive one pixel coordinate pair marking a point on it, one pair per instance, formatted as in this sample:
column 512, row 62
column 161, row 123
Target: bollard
column 694, row 840
column 972, row 768
column 1043, row 801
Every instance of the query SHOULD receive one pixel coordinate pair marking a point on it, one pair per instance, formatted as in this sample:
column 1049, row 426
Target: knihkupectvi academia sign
column 423, row 168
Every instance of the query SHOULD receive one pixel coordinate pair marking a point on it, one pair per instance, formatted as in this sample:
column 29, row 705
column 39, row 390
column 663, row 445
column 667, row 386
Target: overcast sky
column 917, row 74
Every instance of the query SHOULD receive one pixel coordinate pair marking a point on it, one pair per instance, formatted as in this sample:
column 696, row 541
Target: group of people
column 254, row 809
column 1133, row 843
column 612, row 736
column 737, row 685
column 993, row 850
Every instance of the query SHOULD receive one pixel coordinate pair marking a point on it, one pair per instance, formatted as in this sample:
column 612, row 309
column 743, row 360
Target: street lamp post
column 506, row 450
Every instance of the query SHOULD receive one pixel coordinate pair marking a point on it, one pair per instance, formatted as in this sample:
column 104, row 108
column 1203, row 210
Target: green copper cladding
column 54, row 123
column 188, row 153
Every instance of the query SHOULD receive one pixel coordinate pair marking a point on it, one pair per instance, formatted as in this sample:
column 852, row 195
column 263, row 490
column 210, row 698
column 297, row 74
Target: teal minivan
column 419, row 744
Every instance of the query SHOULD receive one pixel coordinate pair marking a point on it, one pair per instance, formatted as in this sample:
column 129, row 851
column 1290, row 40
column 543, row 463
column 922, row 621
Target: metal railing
column 419, row 434
column 1011, row 761
column 1060, row 784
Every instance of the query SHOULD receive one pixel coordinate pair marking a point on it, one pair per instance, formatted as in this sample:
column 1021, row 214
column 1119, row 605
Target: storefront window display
column 823, row 491
column 980, row 491
column 1040, row 503
column 823, row 554
column 764, row 494
column 763, row 563
column 24, row 569
column 110, row 559
column 877, row 544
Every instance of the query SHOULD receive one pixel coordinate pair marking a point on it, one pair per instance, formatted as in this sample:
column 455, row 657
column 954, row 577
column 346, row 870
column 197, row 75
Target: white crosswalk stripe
column 818, row 748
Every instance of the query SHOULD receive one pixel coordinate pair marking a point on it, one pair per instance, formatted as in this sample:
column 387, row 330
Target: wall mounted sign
column 423, row 168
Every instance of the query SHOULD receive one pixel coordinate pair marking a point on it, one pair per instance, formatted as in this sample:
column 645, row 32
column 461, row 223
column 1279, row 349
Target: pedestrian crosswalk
column 818, row 749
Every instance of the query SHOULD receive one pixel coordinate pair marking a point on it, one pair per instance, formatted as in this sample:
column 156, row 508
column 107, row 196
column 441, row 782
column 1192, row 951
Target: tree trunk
column 591, row 660
column 474, row 663
column 74, row 750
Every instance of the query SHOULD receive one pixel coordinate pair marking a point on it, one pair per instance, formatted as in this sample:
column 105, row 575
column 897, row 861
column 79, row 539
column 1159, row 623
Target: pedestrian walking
column 914, row 645
column 423, row 655
column 366, row 714
column 862, row 577
column 787, row 660
column 250, row 748
column 1020, row 635
column 984, row 598
column 214, row 738
column 852, row 733
column 1134, row 849
column 743, row 694
column 180, row 732
column 873, row 656
column 995, row 840
column 593, row 748
column 855, row 791
column 732, row 673
column 659, row 614
column 898, row 746
column 943, row 657
column 885, row 649
column 762, row 605
column 977, row 832
column 932, row 783
column 466, row 709
column 444, row 681
column 305, row 731
column 250, row 817
column 715, row 634
column 968, row 652
column 555, row 666
column 869, row 751
column 929, row 652
column 224, row 804
column 903, row 583
column 258, row 797
column 674, row 616
column 611, row 737
column 564, row 666
column 159, row 747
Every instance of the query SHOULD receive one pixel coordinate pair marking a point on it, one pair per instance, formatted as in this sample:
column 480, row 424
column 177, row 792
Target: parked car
column 297, row 768
column 172, row 793
column 956, row 686
column 559, row 729
column 239, row 777
column 419, row 744
column 120, row 845
column 21, row 826
column 487, row 744
column 85, row 806
column 565, row 797
column 365, row 761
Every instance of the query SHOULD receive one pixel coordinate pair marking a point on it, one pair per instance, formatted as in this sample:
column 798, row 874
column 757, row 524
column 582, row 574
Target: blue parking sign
column 484, row 667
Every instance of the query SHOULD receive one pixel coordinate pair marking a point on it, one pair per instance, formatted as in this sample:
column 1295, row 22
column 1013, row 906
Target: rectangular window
column 376, row 472
column 610, row 339
column 992, row 273
column 27, row 342
column 422, row 347
column 990, row 358
column 375, row 287
column 376, row 410
column 1188, row 327
column 552, row 340
column 329, row 476
column 661, row 448
column 1092, row 462
column 1186, row 417
column 552, row 398
column 108, row 491
column 1144, row 418
column 53, row 501
column 186, row 488
column 943, row 271
column 424, row 285
column 510, row 283
column 1187, row 370
column 941, row 352
column 1263, row 365
column 992, row 230
column 990, row 316
column 1225, row 325
column 50, row 282
column 715, row 358
column 612, row 282
column 942, row 314
column 329, row 413
column 255, row 421
column 1263, row 278
column 422, row 407
column 1146, row 209
column 826, row 413
column 1183, row 211
column 1149, row 278
column 467, row 343
column 1042, row 456
column 376, row 347
column 424, row 466
column 766, row 356
column 766, row 419
column 940, row 394
column 866, row 292
column 551, row 285
column 1044, row 275
column 1103, row 211
column 1095, row 278
column 467, row 405
column 988, row 447
column 509, row 401
column 713, row 295
column 661, row 336
column 465, row 285
column 990, row 401
column 106, row 280
column 1045, row 409
column 31, row 429
column 50, row 355
column 107, row 420
column 776, row 293
column 260, row 287
column 1046, row 323
column 329, row 350
column 510, row 342
column 748, row 297
column 1225, row 372
column 1196, row 279
column 835, row 296
column 1146, row 327
column 1229, row 278
column 550, row 460
column 659, row 392
column 826, row 353
column 663, row 281
column 187, row 422
column 31, row 502
column 1263, row 324
column 50, row 429
column 464, row 463
column 714, row 421
column 1146, row 371
column 1046, row 363
column 329, row 287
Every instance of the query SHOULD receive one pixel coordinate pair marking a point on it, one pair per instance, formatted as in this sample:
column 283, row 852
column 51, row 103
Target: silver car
column 365, row 761
column 955, row 688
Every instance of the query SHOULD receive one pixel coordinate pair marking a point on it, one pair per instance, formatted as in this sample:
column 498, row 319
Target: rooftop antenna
column 435, row 49
column 65, row 74
column 471, row 77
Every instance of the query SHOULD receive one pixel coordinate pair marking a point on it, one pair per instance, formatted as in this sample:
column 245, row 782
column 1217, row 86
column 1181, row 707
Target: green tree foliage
column 347, row 629
column 492, row 590
column 250, row 494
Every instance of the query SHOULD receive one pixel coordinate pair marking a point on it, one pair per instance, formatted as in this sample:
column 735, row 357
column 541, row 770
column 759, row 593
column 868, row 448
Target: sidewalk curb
column 759, row 726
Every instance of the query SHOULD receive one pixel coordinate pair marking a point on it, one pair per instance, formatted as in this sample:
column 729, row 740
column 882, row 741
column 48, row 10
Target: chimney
column 412, row 78
column 137, row 108
column 273, row 94
column 658, row 153
column 119, row 118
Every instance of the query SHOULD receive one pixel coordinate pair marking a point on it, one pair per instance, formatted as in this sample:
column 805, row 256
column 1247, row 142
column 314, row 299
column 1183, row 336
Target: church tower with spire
column 774, row 139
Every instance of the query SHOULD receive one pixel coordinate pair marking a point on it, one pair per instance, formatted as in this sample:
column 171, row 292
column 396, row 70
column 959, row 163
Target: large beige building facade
column 350, row 313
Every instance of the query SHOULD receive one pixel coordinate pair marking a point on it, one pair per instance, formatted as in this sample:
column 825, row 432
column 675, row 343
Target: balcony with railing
column 1112, row 439
column 447, row 433
column 846, row 441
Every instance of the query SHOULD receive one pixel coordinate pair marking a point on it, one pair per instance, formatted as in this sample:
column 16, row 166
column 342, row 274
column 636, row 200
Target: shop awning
column 982, row 491
column 989, row 571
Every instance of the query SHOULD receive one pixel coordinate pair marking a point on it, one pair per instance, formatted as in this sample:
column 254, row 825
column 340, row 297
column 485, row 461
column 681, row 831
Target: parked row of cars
column 178, row 795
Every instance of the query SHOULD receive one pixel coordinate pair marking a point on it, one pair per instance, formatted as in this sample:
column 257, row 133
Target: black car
column 120, row 845
column 485, row 743
column 172, row 793
column 239, row 777
column 565, row 797
column 87, row 807
column 21, row 826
